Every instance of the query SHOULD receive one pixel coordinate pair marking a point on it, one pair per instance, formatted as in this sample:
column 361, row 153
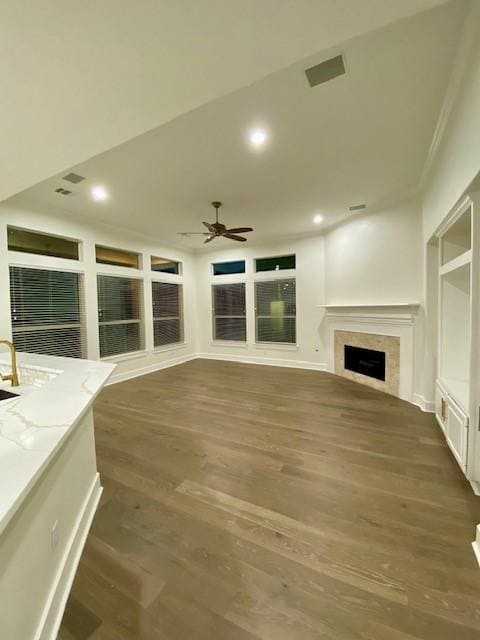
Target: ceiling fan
column 218, row 230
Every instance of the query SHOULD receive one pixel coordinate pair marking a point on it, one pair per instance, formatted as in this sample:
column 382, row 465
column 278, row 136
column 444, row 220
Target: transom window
column 228, row 268
column 165, row 265
column 42, row 244
column 117, row 257
column 276, row 263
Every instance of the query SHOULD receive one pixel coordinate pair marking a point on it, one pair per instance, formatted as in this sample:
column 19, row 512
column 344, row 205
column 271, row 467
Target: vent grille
column 63, row 192
column 73, row 177
column 357, row 207
column 325, row 71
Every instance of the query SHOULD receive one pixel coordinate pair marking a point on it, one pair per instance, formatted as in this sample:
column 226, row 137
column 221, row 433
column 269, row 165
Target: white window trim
column 237, row 344
column 173, row 346
column 130, row 355
column 286, row 274
column 278, row 346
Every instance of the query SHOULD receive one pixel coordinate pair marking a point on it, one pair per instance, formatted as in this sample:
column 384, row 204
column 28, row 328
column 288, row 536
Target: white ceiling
column 362, row 137
column 79, row 77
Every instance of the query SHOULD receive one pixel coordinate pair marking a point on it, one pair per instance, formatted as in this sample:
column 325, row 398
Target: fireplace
column 372, row 359
column 368, row 362
column 386, row 328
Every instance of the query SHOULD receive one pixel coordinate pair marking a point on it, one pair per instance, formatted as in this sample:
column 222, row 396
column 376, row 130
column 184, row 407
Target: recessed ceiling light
column 318, row 218
column 99, row 193
column 258, row 137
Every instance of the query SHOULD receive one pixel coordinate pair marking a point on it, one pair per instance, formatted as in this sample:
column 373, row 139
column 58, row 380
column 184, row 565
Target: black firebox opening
column 366, row 361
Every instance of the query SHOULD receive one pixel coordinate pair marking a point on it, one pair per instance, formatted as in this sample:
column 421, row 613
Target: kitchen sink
column 6, row 395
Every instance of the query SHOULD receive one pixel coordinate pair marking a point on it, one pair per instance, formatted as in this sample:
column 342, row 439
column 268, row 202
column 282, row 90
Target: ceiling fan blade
column 240, row 230
column 209, row 226
column 193, row 233
column 233, row 237
column 210, row 238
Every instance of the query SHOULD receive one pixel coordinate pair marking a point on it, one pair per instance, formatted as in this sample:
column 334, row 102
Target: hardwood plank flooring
column 245, row 502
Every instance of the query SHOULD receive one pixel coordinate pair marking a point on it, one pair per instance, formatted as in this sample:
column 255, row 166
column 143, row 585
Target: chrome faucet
column 13, row 359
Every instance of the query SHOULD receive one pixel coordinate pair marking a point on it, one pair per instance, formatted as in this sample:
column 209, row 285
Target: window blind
column 47, row 312
column 167, row 302
column 229, row 316
column 275, row 311
column 120, row 315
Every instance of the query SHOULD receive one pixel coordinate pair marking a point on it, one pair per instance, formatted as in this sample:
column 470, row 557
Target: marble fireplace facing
column 369, row 358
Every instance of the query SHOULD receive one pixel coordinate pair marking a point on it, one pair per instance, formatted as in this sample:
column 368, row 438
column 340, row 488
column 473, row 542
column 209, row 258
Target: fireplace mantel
column 390, row 313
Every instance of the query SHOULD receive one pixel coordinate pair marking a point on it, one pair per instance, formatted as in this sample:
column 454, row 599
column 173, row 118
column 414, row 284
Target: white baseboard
column 476, row 545
column 425, row 405
column 275, row 362
column 57, row 599
column 151, row 368
column 476, row 490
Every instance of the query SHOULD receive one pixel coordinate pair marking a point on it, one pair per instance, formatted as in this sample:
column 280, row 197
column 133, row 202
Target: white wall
column 454, row 164
column 310, row 278
column 376, row 258
column 59, row 223
column 371, row 259
column 457, row 160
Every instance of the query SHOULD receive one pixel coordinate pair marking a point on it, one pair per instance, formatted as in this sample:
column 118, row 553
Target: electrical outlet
column 54, row 535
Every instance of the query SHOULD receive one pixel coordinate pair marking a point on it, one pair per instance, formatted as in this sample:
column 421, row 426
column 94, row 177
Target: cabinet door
column 441, row 407
column 457, row 433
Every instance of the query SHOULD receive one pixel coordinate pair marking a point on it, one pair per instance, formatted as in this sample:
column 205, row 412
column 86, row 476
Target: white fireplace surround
column 396, row 319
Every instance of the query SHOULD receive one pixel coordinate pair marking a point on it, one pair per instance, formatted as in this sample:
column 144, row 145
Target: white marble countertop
column 54, row 394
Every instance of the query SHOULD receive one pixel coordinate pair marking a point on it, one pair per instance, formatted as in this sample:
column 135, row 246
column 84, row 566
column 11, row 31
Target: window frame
column 139, row 321
column 278, row 278
column 100, row 264
column 40, row 254
column 238, row 274
column 271, row 271
column 181, row 317
column 214, row 316
column 81, row 325
column 160, row 273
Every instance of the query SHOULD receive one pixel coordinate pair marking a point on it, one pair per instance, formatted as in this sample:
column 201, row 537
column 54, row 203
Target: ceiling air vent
column 357, row 207
column 63, row 192
column 73, row 177
column 326, row 70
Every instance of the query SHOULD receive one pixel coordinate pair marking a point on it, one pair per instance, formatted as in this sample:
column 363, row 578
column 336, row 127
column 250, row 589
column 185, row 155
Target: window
column 119, row 315
column 228, row 268
column 117, row 257
column 41, row 244
column 165, row 265
column 275, row 311
column 277, row 263
column 229, row 317
column 47, row 312
column 167, row 313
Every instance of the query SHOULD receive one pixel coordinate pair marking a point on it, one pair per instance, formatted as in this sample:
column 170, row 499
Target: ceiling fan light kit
column 218, row 230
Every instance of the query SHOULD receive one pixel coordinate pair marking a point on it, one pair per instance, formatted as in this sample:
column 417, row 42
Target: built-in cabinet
column 456, row 386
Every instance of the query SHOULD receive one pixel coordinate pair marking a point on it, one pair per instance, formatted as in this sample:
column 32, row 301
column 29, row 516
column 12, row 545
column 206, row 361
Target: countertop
column 55, row 394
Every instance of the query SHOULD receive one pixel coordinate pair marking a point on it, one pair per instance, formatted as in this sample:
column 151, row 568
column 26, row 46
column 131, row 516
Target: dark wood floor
column 245, row 502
